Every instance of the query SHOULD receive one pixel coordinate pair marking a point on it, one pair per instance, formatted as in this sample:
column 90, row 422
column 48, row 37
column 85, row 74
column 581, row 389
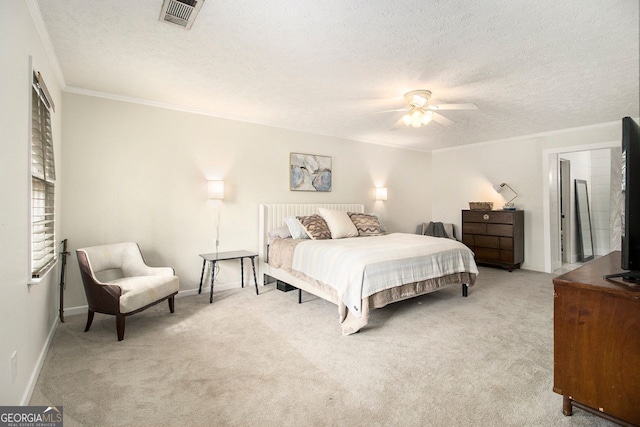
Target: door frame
column 564, row 181
column 546, row 184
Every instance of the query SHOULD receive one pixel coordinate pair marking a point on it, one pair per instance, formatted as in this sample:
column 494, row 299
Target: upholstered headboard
column 273, row 215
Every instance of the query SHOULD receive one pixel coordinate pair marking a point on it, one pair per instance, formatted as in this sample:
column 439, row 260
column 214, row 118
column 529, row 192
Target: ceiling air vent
column 180, row 12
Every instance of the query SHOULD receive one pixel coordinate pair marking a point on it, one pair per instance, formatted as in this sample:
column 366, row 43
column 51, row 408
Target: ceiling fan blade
column 398, row 125
column 442, row 120
column 393, row 111
column 452, row 107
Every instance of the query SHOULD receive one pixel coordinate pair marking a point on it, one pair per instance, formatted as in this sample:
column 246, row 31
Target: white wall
column 135, row 172
column 600, row 198
column 461, row 175
column 616, row 201
column 27, row 313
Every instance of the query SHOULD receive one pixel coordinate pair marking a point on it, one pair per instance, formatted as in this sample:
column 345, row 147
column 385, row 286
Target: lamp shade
column 500, row 187
column 381, row 193
column 216, row 190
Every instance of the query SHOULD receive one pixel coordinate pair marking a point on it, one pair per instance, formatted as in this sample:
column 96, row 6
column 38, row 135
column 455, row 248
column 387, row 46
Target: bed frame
column 272, row 216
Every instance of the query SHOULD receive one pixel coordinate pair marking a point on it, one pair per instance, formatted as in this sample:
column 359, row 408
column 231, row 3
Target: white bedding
column 388, row 261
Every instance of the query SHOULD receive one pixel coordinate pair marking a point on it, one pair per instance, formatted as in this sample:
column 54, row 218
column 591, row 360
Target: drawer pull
column 485, row 217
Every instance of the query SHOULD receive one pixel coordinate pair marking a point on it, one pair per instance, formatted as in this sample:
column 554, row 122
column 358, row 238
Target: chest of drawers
column 496, row 237
column 596, row 345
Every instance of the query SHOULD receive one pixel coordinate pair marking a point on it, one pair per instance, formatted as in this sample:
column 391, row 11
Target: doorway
column 551, row 200
column 596, row 167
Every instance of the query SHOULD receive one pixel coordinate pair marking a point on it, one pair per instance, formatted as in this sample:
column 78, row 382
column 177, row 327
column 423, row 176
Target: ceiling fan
column 419, row 113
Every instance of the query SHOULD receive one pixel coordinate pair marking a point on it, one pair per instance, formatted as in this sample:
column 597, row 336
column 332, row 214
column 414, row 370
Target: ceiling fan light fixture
column 419, row 101
column 421, row 113
column 417, row 98
column 428, row 116
column 416, row 117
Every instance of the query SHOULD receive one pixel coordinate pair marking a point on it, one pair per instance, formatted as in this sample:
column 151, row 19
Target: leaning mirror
column 583, row 216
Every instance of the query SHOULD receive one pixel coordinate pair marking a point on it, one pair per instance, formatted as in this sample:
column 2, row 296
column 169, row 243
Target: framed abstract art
column 309, row 172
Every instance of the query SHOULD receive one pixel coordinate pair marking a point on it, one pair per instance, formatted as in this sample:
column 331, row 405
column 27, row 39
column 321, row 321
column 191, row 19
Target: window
column 43, row 177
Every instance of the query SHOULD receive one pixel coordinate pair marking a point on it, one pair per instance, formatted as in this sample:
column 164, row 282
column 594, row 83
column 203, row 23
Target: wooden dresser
column 596, row 342
column 496, row 237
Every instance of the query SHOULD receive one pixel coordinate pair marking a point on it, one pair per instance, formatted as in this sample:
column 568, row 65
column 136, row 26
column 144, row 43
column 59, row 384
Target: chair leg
column 89, row 320
column 171, row 304
column 120, row 326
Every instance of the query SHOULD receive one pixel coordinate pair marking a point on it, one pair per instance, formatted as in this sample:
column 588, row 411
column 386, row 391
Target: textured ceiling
column 332, row 66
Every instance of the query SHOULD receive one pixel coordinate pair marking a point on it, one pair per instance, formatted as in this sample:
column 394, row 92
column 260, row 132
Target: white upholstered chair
column 117, row 281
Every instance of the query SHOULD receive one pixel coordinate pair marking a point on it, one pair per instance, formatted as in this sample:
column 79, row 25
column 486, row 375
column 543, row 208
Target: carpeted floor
column 247, row 360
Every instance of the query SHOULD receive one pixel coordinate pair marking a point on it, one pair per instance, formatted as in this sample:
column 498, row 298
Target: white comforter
column 358, row 267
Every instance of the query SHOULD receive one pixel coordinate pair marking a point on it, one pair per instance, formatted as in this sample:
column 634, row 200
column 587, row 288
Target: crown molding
column 157, row 104
column 530, row 136
column 36, row 17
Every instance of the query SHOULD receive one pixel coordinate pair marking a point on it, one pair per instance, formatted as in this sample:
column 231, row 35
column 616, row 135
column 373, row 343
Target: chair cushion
column 140, row 291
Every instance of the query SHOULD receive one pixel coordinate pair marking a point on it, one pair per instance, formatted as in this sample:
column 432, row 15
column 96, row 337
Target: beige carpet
column 247, row 360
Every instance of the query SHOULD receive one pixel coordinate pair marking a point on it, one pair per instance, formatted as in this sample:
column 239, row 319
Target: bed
column 391, row 268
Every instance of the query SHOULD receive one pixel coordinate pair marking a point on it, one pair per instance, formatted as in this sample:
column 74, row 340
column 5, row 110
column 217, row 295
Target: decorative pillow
column 315, row 226
column 279, row 233
column 366, row 224
column 339, row 223
column 295, row 228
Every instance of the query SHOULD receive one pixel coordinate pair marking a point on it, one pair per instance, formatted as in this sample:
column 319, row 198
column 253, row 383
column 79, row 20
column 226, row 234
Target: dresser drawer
column 506, row 243
column 492, row 217
column 474, row 228
column 493, row 255
column 500, row 230
column 506, row 256
column 486, row 254
column 487, row 242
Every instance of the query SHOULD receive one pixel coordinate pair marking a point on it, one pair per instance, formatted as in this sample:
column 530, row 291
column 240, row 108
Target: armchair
column 117, row 281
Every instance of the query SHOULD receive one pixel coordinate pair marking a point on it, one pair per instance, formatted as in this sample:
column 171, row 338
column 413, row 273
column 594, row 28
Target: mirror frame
column 583, row 217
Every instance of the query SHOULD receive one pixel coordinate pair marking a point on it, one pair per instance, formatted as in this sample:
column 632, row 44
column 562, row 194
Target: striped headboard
column 273, row 215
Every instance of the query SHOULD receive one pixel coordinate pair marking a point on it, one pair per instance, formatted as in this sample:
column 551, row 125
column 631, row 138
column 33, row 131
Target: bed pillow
column 339, row 223
column 367, row 224
column 279, row 233
column 315, row 226
column 295, row 228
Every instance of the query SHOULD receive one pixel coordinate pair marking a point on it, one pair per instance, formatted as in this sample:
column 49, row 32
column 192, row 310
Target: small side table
column 226, row 256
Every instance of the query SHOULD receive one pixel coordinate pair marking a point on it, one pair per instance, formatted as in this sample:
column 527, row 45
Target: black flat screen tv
column 631, row 196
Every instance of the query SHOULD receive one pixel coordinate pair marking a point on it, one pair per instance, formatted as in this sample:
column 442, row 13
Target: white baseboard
column 31, row 385
column 75, row 311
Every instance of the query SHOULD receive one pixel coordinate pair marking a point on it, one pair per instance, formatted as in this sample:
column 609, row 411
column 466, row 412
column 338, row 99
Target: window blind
column 43, row 178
